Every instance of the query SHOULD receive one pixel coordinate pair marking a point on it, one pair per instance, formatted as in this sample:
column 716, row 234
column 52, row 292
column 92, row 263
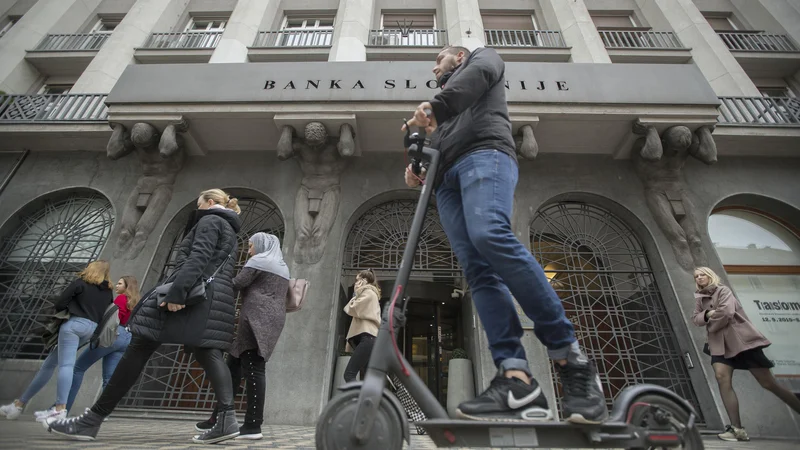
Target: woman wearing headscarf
column 263, row 283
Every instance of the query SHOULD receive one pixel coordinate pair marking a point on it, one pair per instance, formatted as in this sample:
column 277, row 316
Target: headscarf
column 268, row 257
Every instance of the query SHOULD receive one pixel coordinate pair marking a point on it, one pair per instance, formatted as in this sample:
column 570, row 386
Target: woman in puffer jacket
column 206, row 327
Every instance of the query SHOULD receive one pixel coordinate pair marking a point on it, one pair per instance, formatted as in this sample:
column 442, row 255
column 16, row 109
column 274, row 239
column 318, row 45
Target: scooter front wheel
column 335, row 424
column 678, row 417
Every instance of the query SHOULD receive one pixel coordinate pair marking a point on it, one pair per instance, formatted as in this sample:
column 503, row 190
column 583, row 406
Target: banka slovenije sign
column 406, row 81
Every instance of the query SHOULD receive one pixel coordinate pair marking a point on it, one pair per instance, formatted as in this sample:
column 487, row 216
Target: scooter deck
column 464, row 433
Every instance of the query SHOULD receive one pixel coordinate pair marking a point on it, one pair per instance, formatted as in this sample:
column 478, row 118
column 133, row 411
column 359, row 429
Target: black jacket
column 85, row 300
column 210, row 323
column 471, row 111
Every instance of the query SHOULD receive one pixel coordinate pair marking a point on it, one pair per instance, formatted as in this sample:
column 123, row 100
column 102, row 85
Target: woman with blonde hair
column 365, row 309
column 203, row 324
column 733, row 343
column 86, row 300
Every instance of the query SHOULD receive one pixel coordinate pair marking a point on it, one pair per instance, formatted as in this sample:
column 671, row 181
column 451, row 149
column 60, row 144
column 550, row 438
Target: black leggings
column 362, row 348
column 136, row 356
column 253, row 367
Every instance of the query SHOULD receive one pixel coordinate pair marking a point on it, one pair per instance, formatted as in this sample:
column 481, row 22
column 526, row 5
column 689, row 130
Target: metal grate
column 602, row 275
column 407, row 38
column 524, row 38
column 187, row 39
column 172, row 379
column 53, row 108
column 294, row 38
column 757, row 42
column 72, row 42
column 40, row 259
column 640, row 39
column 759, row 111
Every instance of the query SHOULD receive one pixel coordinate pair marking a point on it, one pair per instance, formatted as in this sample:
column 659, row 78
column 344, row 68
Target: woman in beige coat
column 733, row 343
column 365, row 309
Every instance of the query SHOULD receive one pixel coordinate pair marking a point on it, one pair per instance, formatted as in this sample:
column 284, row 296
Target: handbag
column 196, row 295
column 50, row 332
column 706, row 350
column 296, row 294
column 106, row 332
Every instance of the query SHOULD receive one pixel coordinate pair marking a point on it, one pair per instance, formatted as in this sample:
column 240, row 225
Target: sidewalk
column 146, row 434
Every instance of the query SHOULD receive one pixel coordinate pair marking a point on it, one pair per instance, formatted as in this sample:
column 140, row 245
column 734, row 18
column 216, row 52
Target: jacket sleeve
column 244, row 278
column 698, row 317
column 205, row 242
column 724, row 311
column 362, row 305
column 483, row 70
column 68, row 294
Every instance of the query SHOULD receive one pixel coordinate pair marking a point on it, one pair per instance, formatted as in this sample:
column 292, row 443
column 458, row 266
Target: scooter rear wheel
column 692, row 440
column 336, row 421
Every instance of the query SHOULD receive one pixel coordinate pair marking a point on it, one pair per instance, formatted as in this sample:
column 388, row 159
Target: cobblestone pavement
column 148, row 434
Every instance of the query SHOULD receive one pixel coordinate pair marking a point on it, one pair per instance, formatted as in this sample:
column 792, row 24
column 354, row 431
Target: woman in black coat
column 206, row 327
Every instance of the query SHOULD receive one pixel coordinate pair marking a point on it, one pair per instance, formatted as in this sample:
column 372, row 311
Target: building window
column 413, row 29
column 8, row 24
column 51, row 244
column 613, row 21
column 203, row 32
column 510, row 30
column 721, row 22
column 306, row 31
column 762, row 259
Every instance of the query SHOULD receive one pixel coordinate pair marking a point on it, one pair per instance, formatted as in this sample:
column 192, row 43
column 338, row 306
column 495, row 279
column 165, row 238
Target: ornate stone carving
column 162, row 157
column 322, row 160
column 658, row 162
column 527, row 147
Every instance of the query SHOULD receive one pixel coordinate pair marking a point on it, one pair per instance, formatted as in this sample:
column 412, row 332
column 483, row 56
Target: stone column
column 577, row 27
column 117, row 53
column 351, row 32
column 462, row 16
column 242, row 29
column 17, row 76
column 709, row 53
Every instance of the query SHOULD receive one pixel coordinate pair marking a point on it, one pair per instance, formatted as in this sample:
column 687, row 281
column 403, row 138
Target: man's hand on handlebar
column 421, row 119
column 412, row 180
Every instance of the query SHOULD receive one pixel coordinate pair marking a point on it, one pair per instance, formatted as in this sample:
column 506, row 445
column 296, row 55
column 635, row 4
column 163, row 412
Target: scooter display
column 364, row 415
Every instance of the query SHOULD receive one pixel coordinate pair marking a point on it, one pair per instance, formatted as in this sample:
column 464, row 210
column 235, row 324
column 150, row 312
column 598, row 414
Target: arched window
column 761, row 256
column 54, row 239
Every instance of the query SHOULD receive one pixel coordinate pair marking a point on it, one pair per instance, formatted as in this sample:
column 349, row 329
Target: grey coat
column 263, row 312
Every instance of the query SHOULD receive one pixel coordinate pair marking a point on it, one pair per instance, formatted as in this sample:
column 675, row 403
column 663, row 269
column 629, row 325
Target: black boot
column 81, row 428
column 225, row 428
column 207, row 424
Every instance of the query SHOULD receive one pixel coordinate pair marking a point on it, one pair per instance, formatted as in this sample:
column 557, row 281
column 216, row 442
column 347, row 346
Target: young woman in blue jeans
column 128, row 296
column 86, row 299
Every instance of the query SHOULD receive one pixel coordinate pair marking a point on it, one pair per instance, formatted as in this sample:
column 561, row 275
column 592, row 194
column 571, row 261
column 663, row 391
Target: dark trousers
column 253, row 367
column 136, row 356
column 362, row 348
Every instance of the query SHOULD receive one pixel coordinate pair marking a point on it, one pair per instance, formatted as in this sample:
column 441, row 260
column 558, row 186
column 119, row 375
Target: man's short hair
column 455, row 49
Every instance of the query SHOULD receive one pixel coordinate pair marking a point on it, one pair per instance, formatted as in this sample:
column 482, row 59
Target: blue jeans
column 72, row 334
column 109, row 355
column 475, row 202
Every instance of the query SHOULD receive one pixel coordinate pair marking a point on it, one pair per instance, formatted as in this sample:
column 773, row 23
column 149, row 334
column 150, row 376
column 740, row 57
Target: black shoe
column 250, row 432
column 583, row 400
column 226, row 427
column 207, row 424
column 81, row 428
column 507, row 399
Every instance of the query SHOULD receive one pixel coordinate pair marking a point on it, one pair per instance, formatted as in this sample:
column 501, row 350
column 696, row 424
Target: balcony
column 396, row 44
column 763, row 55
column 66, row 54
column 767, row 126
column 645, row 46
column 528, row 45
column 186, row 47
column 53, row 122
column 291, row 45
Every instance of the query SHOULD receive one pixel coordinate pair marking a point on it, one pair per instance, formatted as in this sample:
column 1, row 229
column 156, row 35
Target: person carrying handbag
column 204, row 325
column 83, row 304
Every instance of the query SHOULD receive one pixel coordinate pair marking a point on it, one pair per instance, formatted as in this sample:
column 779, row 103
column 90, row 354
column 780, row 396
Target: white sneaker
column 38, row 414
column 11, row 411
column 53, row 414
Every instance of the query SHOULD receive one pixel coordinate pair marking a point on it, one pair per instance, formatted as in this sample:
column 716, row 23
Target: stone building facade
column 654, row 136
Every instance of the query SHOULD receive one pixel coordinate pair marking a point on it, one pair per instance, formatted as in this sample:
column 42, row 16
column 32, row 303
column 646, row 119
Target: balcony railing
column 757, row 42
column 53, row 108
column 765, row 111
column 188, row 39
column 72, row 42
column 407, row 38
column 294, row 38
column 635, row 39
column 524, row 38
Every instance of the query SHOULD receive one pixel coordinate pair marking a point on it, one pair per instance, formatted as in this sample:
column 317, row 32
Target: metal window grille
column 601, row 272
column 43, row 255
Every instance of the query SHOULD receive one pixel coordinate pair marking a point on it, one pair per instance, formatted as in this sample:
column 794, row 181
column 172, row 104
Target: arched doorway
column 761, row 256
column 53, row 239
column 172, row 379
column 377, row 241
column 602, row 274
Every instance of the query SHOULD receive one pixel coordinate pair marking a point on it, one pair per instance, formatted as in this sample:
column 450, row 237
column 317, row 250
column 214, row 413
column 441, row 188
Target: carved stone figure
column 527, row 147
column 322, row 160
column 658, row 162
column 161, row 156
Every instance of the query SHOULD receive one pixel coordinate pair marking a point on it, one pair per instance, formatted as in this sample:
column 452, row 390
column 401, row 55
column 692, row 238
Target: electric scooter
column 364, row 415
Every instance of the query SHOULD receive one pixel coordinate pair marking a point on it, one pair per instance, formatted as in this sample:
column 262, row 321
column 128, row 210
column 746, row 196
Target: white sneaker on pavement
column 51, row 413
column 11, row 411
